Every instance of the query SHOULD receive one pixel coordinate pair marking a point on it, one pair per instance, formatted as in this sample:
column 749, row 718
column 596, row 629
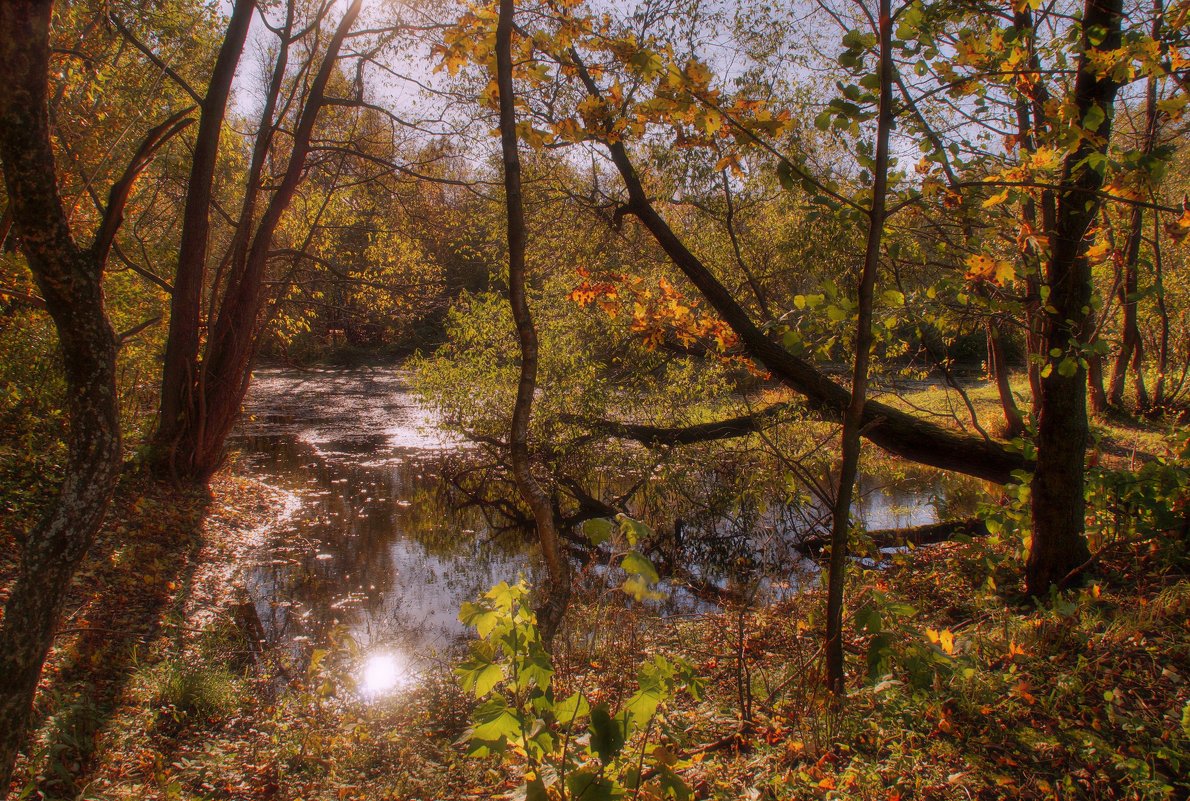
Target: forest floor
column 154, row 692
column 159, row 578
column 959, row 688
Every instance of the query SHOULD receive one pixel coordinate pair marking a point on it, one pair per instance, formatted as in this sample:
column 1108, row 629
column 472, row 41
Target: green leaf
column 502, row 596
column 588, row 785
column 672, row 784
column 495, row 720
column 571, row 709
column 648, row 62
column 634, row 530
column 607, row 735
column 868, row 619
column 879, row 650
column 639, row 588
column 641, row 707
column 536, row 670
column 481, row 678
column 535, row 790
column 635, row 564
column 599, row 530
column 482, row 618
column 836, row 314
column 785, row 174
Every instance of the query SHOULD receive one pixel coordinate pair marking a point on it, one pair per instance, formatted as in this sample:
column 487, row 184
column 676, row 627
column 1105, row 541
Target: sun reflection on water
column 383, row 673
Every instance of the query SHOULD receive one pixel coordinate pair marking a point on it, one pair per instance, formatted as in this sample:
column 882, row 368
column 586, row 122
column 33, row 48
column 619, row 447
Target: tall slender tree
column 853, row 417
column 553, row 605
column 204, row 382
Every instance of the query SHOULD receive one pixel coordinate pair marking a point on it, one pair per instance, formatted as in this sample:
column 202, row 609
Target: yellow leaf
column 1179, row 228
column 731, row 161
column 996, row 199
column 985, row 268
column 1045, row 158
column 1097, row 251
column 712, row 121
column 698, row 73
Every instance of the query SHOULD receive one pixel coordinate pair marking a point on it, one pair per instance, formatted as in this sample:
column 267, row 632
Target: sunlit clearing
column 383, row 673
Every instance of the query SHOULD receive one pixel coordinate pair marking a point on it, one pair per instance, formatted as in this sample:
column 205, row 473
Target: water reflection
column 376, row 551
column 381, row 550
column 384, row 672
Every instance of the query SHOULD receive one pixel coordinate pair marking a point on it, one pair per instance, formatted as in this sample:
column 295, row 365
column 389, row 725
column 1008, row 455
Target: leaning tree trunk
column 896, row 431
column 1058, row 505
column 553, row 605
column 853, row 419
column 69, row 279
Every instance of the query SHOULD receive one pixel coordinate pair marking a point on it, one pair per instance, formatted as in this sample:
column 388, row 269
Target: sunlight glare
column 383, row 672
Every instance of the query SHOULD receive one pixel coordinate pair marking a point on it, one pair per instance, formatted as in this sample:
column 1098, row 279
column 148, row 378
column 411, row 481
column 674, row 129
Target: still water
column 378, row 547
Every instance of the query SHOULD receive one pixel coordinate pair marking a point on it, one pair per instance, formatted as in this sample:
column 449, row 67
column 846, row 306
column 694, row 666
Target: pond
column 379, row 546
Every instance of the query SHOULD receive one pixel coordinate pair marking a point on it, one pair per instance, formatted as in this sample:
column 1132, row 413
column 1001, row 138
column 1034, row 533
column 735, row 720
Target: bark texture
column 69, row 278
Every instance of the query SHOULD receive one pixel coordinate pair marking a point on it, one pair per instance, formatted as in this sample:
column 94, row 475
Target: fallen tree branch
column 684, row 435
column 929, row 534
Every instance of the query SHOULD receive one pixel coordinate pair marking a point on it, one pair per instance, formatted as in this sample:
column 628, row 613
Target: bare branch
column 113, row 215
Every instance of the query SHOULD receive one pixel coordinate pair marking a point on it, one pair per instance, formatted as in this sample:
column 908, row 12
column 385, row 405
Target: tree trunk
column 1096, row 395
column 1163, row 319
column 179, row 372
column 1058, row 504
column 220, row 381
column 70, row 282
column 853, row 419
column 1030, row 122
column 1131, row 345
column 553, row 605
column 1014, row 423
